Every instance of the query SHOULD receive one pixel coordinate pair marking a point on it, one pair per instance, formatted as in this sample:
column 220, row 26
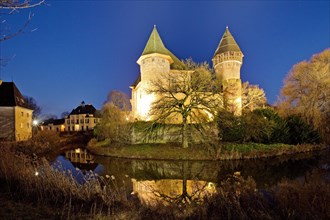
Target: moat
column 152, row 180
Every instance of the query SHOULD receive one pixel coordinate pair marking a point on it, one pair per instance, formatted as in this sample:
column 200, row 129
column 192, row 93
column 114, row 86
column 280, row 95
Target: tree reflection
column 179, row 192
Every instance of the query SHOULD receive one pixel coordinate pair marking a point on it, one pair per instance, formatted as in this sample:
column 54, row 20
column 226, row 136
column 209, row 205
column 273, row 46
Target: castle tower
column 155, row 61
column 227, row 62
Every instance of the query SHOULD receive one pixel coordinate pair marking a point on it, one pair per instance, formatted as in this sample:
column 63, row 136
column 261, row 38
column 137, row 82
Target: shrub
column 300, row 132
column 41, row 143
column 230, row 127
column 272, row 127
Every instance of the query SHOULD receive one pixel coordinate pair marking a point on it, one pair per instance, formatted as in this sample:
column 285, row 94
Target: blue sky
column 81, row 50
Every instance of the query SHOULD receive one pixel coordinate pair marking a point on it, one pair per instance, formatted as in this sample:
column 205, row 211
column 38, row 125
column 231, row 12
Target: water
column 193, row 180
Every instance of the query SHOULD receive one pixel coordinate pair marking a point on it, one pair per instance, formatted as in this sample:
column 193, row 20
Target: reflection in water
column 79, row 163
column 81, row 159
column 157, row 181
column 172, row 191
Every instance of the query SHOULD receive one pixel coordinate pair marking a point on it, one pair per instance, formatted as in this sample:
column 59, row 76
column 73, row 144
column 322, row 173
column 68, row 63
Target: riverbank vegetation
column 173, row 151
column 260, row 133
column 46, row 192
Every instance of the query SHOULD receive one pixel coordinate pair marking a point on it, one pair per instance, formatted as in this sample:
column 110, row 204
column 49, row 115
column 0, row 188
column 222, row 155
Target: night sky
column 81, row 50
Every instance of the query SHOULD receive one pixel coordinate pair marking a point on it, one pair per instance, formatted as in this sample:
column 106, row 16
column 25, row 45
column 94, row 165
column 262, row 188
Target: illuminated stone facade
column 82, row 118
column 15, row 116
column 157, row 60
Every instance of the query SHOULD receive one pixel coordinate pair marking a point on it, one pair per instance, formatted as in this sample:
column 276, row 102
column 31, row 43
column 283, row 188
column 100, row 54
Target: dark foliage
column 300, row 132
column 265, row 126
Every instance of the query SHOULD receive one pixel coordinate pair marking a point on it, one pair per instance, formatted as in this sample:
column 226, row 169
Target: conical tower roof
column 156, row 45
column 227, row 43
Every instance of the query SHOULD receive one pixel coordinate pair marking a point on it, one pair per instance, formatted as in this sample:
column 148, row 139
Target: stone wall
column 171, row 133
column 7, row 123
column 23, row 123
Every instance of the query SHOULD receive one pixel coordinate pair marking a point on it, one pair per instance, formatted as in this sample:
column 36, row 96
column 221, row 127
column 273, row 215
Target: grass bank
column 223, row 151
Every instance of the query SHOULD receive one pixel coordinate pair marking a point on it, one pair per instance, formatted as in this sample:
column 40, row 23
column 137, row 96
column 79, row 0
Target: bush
column 230, row 127
column 300, row 132
column 270, row 127
column 41, row 143
column 113, row 125
column 259, row 126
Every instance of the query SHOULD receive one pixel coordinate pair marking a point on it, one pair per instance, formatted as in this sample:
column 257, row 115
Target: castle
column 156, row 60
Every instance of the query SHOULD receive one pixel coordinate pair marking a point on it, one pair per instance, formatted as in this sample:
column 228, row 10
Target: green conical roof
column 227, row 43
column 156, row 45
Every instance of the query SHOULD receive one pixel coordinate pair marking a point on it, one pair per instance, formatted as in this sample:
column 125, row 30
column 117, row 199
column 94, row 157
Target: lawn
column 174, row 151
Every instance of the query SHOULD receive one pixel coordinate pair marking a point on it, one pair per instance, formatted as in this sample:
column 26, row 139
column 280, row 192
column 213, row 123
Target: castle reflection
column 170, row 191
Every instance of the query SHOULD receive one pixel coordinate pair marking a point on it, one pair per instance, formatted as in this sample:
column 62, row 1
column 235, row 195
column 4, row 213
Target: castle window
column 22, row 113
column 28, row 125
column 82, row 121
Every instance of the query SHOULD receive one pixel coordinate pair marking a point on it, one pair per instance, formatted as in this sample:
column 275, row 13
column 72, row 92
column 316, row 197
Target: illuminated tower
column 227, row 62
column 155, row 60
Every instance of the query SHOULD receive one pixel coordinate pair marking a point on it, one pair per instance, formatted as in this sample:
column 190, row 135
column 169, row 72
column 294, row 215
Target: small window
column 82, row 128
column 86, row 120
column 22, row 113
column 68, row 121
column 72, row 121
column 77, row 121
column 82, row 121
column 28, row 125
column 27, row 115
column 95, row 120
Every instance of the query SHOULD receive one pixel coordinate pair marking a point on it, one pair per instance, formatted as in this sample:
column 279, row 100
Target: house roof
column 10, row 96
column 136, row 81
column 227, row 43
column 84, row 109
column 156, row 45
column 54, row 121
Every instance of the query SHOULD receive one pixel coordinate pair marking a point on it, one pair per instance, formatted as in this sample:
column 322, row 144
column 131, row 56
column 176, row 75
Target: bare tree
column 13, row 6
column 253, row 97
column 306, row 92
column 186, row 96
column 119, row 99
column 31, row 103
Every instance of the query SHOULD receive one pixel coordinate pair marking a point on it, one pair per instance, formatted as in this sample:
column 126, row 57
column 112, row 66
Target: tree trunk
column 184, row 133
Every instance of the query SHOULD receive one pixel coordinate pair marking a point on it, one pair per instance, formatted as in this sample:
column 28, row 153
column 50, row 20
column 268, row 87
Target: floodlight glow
column 35, row 122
